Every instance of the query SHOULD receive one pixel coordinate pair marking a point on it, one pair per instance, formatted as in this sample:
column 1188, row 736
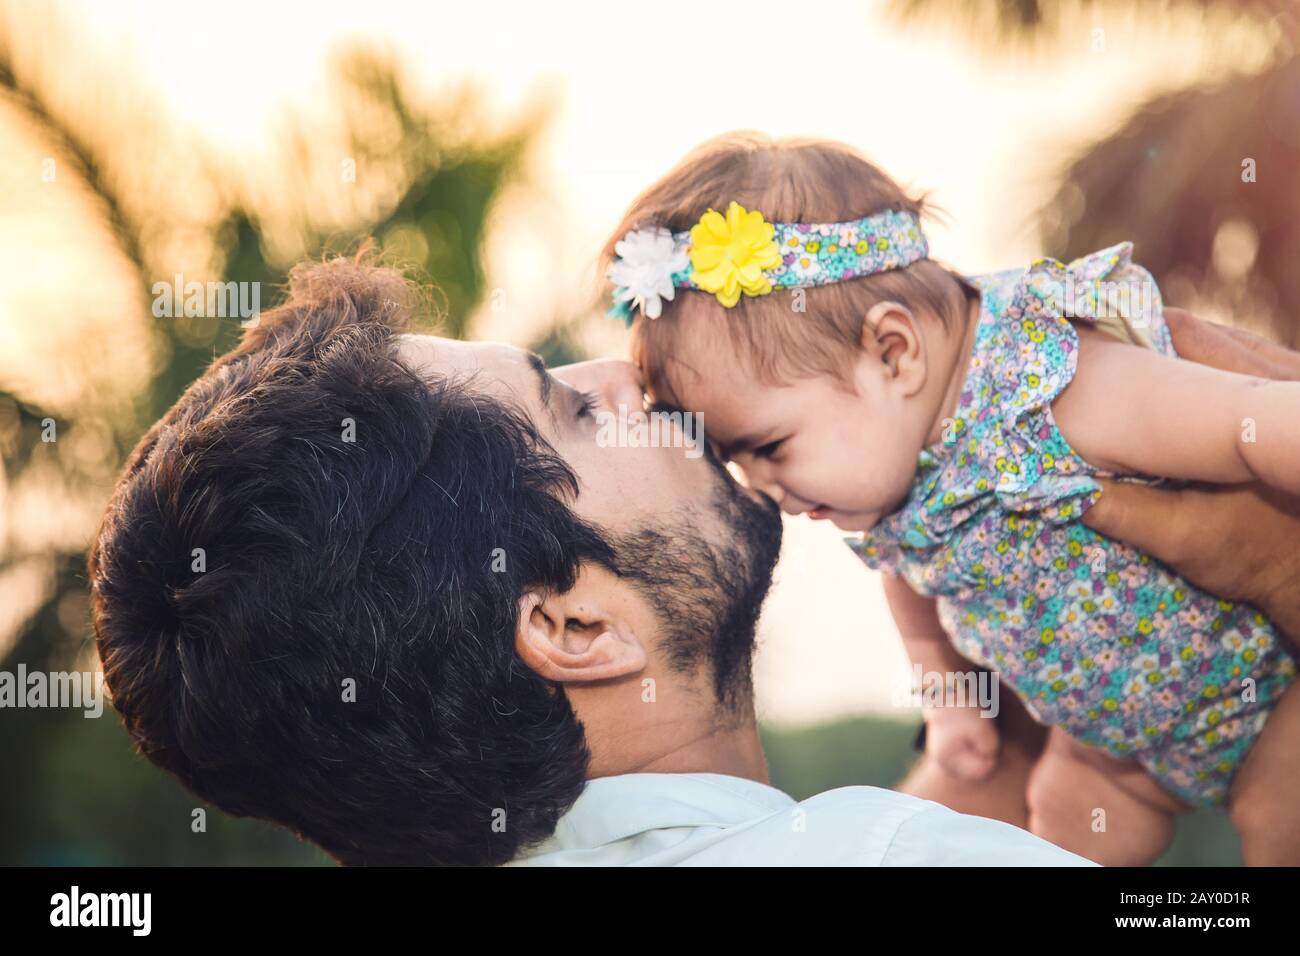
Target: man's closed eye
column 587, row 402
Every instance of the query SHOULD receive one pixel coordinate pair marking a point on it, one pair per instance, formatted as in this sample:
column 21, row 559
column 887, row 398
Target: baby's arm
column 1129, row 409
column 964, row 743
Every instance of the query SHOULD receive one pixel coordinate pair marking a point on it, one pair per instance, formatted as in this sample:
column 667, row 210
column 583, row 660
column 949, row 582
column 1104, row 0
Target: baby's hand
column 964, row 743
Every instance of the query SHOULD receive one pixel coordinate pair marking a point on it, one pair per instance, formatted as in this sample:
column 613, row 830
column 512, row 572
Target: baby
column 783, row 290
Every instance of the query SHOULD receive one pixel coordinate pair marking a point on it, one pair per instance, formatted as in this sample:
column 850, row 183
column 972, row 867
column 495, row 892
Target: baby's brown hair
column 787, row 180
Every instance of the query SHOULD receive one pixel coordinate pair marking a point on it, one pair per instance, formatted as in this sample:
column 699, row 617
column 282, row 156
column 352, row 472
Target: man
column 390, row 592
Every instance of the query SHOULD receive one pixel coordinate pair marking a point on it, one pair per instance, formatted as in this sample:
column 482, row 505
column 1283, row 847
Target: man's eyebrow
column 538, row 365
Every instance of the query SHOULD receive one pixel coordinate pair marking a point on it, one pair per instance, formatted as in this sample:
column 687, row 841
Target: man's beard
column 708, row 594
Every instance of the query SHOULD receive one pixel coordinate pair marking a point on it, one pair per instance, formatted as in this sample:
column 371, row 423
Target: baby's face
column 844, row 451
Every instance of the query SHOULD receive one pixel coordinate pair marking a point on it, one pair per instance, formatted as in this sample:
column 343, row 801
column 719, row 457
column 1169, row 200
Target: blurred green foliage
column 73, row 791
column 105, row 806
column 874, row 752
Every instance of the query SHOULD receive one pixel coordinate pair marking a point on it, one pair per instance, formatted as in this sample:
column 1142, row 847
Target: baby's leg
column 1264, row 802
column 1089, row 803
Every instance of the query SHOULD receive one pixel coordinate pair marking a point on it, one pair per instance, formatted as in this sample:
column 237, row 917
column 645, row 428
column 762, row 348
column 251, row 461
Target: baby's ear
column 891, row 335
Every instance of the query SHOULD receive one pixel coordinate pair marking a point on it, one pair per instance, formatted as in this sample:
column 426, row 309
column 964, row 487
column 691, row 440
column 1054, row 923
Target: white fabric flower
column 647, row 260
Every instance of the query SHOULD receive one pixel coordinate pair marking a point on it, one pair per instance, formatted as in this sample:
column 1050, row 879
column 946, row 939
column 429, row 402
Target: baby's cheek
column 848, row 485
column 890, row 483
column 906, row 478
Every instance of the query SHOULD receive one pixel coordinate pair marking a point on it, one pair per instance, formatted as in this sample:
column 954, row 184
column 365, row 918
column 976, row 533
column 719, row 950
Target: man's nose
column 614, row 382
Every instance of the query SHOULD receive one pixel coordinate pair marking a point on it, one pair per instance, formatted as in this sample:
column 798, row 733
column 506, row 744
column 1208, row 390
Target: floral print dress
column 1095, row 637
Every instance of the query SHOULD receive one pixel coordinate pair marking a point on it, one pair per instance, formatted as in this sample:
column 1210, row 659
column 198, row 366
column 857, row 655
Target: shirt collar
column 615, row 808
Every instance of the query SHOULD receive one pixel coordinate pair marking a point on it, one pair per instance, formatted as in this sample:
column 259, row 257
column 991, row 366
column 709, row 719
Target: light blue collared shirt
column 709, row 819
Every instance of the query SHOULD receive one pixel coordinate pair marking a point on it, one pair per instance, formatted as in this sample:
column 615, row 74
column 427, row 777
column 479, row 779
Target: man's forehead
column 442, row 355
column 494, row 367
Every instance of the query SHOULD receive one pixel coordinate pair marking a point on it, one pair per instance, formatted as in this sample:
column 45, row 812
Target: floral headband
column 743, row 253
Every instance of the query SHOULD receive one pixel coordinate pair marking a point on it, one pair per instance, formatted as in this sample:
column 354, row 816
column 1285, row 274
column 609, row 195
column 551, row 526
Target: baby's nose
column 760, row 479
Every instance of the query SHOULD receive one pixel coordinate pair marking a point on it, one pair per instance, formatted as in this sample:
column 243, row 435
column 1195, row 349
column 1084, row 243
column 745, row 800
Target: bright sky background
column 633, row 87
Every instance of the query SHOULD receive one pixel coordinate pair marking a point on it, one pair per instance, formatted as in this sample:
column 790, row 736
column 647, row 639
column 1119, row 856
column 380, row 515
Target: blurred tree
column 560, row 343
column 73, row 792
column 1205, row 181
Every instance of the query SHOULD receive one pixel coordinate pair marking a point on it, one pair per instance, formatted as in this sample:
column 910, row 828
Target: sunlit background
column 491, row 147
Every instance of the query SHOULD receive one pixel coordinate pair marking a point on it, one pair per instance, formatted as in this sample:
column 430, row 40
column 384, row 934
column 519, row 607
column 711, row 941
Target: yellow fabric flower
column 729, row 255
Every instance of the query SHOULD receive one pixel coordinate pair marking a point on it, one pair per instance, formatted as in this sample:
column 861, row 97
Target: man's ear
column 890, row 335
column 580, row 635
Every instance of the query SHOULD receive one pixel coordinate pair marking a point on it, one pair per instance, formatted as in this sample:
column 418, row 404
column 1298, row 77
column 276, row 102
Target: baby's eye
column 768, row 450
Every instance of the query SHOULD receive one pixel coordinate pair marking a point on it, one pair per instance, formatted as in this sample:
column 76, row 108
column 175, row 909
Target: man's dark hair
column 254, row 566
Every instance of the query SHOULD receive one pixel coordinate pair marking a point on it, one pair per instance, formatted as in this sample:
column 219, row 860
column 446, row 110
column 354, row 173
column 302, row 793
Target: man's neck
column 696, row 736
column 736, row 751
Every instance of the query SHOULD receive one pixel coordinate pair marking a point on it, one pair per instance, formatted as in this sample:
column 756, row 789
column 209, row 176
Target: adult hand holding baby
column 1240, row 541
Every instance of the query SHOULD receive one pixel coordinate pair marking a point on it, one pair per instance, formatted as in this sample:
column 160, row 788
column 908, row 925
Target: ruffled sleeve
column 1005, row 450
column 1109, row 290
column 1036, row 469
